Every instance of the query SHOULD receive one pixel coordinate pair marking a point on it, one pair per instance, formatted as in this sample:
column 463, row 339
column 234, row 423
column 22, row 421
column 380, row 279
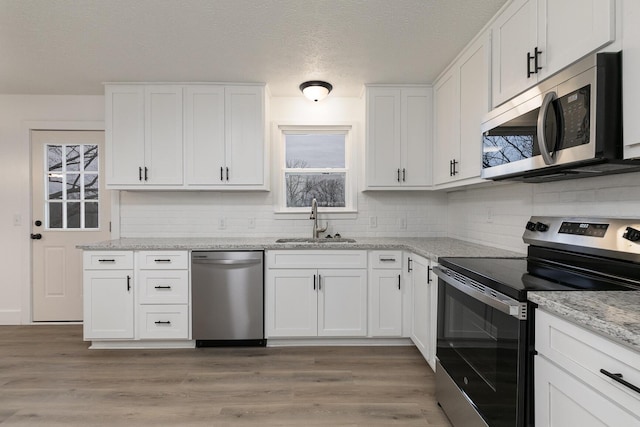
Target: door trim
column 26, row 315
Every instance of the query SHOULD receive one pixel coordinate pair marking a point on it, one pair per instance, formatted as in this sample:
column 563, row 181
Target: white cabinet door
column 447, row 126
column 163, row 135
column 342, row 303
column 108, row 304
column 124, row 136
column 571, row 29
column 421, row 317
column 416, row 131
column 385, row 310
column 631, row 67
column 514, row 34
column 383, row 137
column 292, row 301
column 474, row 71
column 204, row 135
column 244, row 135
column 563, row 400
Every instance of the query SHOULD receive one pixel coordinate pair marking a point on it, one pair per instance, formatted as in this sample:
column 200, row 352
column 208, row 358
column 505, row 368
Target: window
column 72, row 186
column 315, row 163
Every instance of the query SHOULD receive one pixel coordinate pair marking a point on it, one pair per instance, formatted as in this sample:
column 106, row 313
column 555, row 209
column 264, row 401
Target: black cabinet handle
column 536, row 55
column 529, row 58
column 387, row 260
column 160, row 322
column 314, row 282
column 146, row 173
column 404, row 175
column 140, row 173
column 128, row 283
column 319, row 282
column 227, row 174
column 409, row 269
column 429, row 269
column 162, row 260
column 398, row 175
column 106, row 260
column 162, row 287
column 454, row 162
column 618, row 378
column 221, row 173
column 398, row 282
column 450, row 167
column 36, row 236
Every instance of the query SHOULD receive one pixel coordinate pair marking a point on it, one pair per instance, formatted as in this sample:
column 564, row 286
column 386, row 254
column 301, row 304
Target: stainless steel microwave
column 568, row 126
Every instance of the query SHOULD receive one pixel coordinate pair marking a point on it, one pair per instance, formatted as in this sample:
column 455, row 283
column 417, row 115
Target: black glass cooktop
column 517, row 276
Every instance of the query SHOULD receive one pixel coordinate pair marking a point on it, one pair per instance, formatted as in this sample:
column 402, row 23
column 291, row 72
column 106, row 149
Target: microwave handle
column 548, row 157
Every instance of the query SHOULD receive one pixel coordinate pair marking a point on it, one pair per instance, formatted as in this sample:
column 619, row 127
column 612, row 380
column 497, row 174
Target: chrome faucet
column 314, row 216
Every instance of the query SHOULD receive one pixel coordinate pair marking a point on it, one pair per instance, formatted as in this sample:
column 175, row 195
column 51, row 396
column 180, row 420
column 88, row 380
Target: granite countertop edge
column 428, row 247
column 612, row 314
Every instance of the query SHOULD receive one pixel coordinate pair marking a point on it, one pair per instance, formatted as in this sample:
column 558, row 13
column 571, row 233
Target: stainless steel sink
column 311, row 240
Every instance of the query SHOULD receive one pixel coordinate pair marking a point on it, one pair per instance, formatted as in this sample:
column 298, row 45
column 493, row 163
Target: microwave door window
column 512, row 141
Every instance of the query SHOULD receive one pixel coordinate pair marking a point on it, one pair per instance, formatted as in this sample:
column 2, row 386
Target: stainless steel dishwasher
column 227, row 298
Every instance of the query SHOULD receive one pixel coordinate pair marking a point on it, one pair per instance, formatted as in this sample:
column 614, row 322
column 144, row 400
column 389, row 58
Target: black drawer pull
column 128, row 283
column 409, row 269
column 162, row 287
column 618, row 378
column 398, row 282
column 162, row 260
column 387, row 260
column 106, row 260
column 160, row 322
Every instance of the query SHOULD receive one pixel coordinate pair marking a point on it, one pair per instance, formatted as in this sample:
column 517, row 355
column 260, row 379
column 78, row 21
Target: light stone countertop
column 428, row 247
column 613, row 314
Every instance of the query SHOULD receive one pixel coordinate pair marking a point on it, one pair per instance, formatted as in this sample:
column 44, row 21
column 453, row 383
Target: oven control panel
column 612, row 237
column 583, row 228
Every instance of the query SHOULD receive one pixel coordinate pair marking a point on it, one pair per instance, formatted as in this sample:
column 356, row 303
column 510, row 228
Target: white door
column 342, row 303
column 70, row 207
column 383, row 137
column 291, row 304
column 416, row 136
column 421, row 305
column 386, row 303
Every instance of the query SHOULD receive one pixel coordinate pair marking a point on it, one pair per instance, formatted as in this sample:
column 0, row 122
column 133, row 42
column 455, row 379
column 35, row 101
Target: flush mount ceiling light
column 316, row 90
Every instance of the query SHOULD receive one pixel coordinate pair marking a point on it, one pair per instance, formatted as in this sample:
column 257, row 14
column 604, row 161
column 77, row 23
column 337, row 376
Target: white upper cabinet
column 143, row 136
column 533, row 39
column 223, row 134
column 398, row 137
column 461, row 99
column 630, row 71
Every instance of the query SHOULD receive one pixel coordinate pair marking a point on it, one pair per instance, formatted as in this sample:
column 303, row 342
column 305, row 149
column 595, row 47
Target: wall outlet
column 402, row 222
column 373, row 221
column 222, row 223
column 251, row 223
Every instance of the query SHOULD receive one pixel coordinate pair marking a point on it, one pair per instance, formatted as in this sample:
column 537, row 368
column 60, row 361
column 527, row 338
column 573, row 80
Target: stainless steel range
column 485, row 348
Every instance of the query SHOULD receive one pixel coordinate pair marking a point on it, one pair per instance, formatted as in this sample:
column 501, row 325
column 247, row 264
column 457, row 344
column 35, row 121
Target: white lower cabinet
column 302, row 301
column 386, row 289
column 132, row 296
column 571, row 389
column 424, row 306
column 108, row 304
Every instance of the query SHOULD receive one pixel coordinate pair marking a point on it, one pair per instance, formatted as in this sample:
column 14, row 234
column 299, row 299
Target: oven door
column 483, row 350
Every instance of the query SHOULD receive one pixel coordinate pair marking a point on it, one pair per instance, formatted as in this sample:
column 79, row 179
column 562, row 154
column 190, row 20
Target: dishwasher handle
column 226, row 261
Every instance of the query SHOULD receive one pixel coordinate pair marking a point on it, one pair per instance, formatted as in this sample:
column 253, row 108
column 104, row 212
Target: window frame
column 282, row 130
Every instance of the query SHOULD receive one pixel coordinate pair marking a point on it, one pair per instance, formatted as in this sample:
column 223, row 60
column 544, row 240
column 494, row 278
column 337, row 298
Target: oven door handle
column 496, row 300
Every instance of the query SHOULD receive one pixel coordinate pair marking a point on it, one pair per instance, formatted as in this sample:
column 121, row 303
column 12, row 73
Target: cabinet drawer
column 584, row 353
column 317, row 259
column 163, row 321
column 107, row 260
column 169, row 260
column 386, row 259
column 164, row 286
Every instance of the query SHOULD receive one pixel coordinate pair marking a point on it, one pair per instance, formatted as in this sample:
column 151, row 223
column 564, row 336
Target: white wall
column 495, row 215
column 199, row 213
column 16, row 112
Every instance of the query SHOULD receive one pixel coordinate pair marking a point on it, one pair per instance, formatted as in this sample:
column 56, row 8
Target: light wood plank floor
column 48, row 377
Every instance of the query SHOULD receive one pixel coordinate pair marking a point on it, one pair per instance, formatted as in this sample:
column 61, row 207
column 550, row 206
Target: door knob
column 36, row 236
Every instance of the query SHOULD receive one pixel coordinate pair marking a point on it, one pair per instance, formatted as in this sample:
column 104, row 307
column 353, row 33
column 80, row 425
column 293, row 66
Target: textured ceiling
column 72, row 46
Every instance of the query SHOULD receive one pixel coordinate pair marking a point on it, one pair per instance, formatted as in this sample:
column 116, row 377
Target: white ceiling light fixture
column 316, row 90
